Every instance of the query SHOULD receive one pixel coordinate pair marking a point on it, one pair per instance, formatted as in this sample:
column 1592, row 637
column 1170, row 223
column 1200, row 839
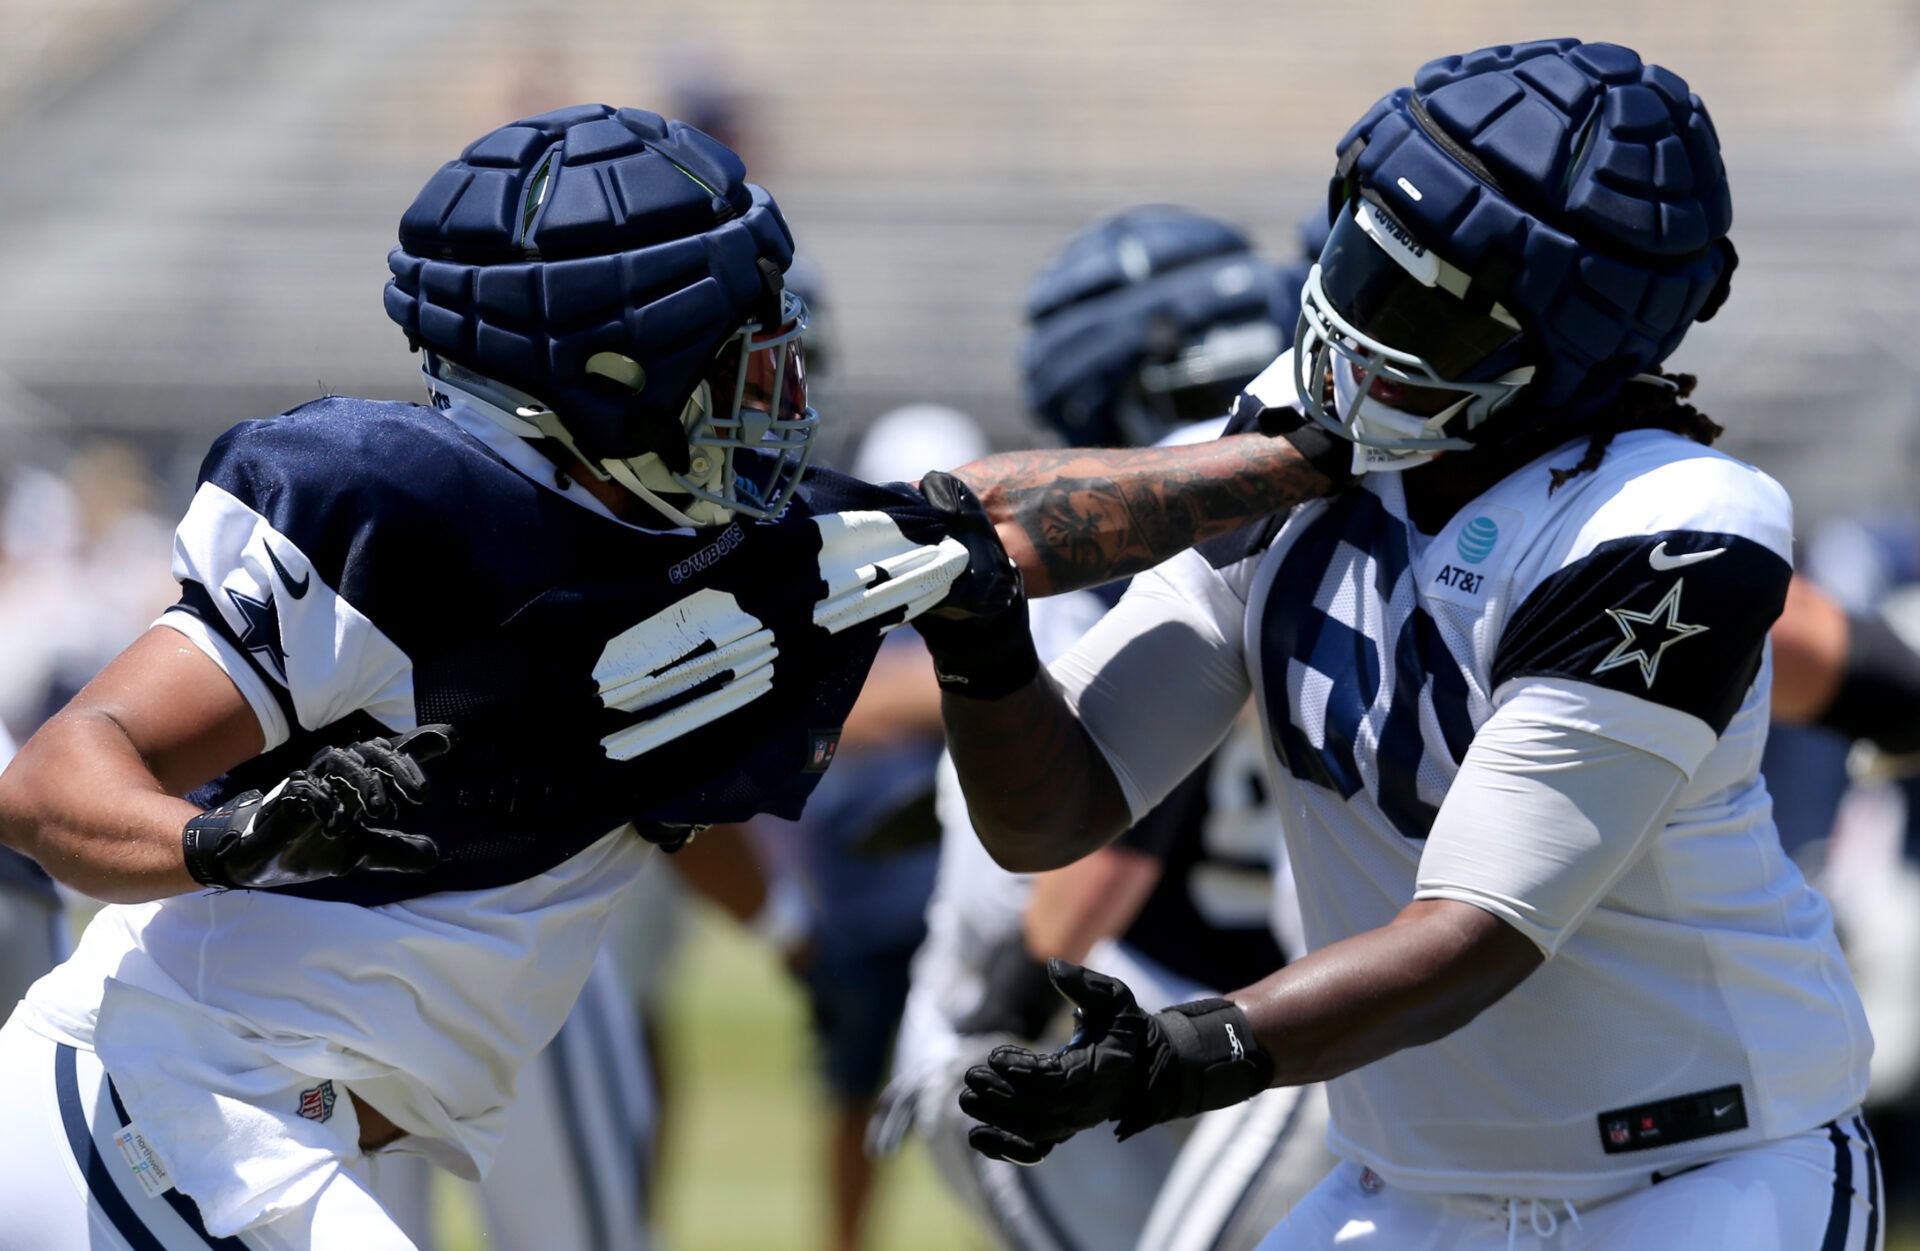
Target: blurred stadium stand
column 199, row 194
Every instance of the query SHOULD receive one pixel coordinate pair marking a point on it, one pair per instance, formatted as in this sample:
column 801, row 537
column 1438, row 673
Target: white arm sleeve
column 1541, row 822
column 1158, row 682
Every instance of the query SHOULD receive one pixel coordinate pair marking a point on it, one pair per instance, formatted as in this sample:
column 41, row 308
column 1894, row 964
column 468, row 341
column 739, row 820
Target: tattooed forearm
column 1077, row 517
column 1039, row 792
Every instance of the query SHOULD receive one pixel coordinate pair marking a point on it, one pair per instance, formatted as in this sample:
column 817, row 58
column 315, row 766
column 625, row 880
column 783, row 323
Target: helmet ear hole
column 619, row 379
column 617, row 368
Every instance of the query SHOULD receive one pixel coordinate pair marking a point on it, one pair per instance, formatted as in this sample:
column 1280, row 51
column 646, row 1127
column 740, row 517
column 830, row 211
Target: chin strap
column 648, row 475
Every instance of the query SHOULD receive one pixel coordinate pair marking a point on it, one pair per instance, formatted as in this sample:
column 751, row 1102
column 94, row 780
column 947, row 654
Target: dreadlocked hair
column 1643, row 405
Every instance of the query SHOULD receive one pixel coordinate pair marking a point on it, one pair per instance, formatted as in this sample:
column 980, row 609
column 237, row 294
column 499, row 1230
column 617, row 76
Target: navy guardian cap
column 609, row 279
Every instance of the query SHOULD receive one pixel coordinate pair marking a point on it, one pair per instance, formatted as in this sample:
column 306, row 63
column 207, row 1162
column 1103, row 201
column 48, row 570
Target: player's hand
column 991, row 585
column 326, row 820
column 1028, row 1102
column 1016, row 995
column 978, row 633
column 1122, row 1065
column 1330, row 455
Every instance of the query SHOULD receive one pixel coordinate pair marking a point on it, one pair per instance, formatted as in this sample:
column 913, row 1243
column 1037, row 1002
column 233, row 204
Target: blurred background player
column 866, row 849
column 845, row 887
column 82, row 572
column 1147, row 323
column 1840, row 763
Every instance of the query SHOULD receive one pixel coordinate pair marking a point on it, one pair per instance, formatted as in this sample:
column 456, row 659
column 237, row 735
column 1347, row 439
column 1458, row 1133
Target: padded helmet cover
column 1580, row 187
column 589, row 229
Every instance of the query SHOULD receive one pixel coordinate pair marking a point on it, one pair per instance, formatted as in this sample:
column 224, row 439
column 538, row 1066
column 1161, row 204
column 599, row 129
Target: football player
column 1146, row 320
column 440, row 676
column 1565, row 986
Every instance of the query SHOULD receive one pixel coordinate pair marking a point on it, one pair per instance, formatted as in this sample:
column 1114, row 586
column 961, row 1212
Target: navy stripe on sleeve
column 1679, row 618
column 260, row 643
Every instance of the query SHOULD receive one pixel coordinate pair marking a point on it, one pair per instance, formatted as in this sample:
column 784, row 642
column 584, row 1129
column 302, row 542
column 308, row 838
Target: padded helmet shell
column 1126, row 288
column 586, row 230
column 1580, row 187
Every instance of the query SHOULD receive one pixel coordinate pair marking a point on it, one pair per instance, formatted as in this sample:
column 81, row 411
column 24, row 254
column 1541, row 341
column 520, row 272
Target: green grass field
column 743, row 1167
column 744, row 1163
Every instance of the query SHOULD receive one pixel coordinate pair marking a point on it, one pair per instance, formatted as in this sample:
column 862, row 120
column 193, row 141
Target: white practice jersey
column 1695, row 1000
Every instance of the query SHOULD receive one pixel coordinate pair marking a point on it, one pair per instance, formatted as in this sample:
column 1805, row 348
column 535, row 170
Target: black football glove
column 978, row 634
column 1017, row 996
column 1330, row 455
column 320, row 821
column 1122, row 1065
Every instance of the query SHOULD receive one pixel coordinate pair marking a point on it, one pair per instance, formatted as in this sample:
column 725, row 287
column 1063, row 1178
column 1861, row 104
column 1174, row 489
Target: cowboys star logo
column 1648, row 635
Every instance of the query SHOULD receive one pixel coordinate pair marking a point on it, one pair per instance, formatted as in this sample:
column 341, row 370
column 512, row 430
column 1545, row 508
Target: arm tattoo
column 1077, row 517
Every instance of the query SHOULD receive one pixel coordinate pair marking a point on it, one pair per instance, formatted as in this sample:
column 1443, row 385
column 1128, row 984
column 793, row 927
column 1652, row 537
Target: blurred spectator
column 85, row 570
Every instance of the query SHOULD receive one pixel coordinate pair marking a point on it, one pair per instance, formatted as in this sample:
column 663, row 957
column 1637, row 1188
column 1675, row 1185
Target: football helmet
column 1525, row 229
column 609, row 280
column 1148, row 320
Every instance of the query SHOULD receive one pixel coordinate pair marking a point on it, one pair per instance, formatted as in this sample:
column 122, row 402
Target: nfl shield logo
column 1618, row 1133
column 317, row 1104
column 821, row 746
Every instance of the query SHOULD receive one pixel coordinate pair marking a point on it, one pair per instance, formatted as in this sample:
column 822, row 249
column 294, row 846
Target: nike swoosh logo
column 1662, row 562
column 295, row 589
column 1720, row 1112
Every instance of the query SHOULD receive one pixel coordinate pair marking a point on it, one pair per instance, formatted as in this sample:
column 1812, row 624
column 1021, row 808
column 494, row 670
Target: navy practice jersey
column 378, row 566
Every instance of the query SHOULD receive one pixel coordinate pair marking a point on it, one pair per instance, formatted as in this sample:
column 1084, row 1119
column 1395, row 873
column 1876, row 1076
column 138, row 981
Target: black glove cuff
column 206, row 836
column 1330, row 455
column 1209, row 1059
column 981, row 657
column 1879, row 695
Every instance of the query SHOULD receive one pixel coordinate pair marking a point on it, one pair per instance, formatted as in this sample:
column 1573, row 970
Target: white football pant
column 1817, row 1191
column 66, row 1185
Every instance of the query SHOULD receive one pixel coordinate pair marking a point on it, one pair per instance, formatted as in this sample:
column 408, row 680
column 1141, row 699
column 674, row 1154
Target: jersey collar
column 526, row 459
